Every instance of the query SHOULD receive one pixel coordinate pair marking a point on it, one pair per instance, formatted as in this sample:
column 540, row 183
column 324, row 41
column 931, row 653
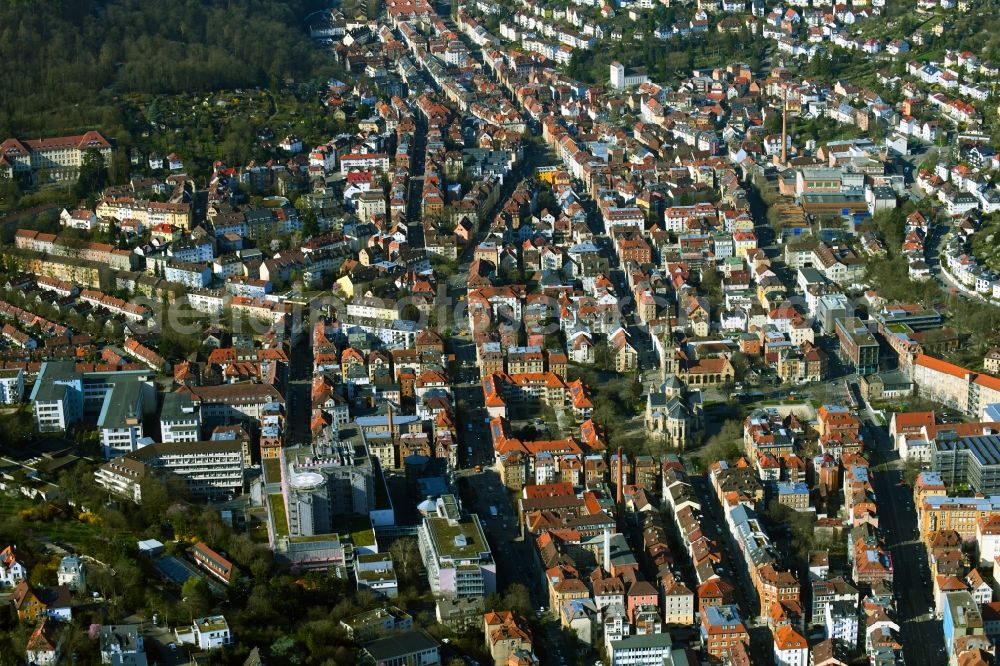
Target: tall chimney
column 607, row 551
column 621, row 479
column 392, row 436
column 784, row 126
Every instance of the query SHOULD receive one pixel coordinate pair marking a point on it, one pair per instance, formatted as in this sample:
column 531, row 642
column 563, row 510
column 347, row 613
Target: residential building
column 44, row 646
column 71, row 574
column 507, row 636
column 211, row 633
column 11, row 386
column 722, row 630
column 840, row 622
column 12, row 571
column 188, row 274
column 28, row 605
column 459, row 613
column 790, row 648
column 122, row 645
column 962, row 617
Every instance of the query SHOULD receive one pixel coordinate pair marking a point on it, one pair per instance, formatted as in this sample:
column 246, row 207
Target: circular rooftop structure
column 307, row 480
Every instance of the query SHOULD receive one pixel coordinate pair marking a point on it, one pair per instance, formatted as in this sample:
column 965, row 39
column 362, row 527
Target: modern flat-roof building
column 211, row 633
column 180, row 419
column 375, row 572
column 409, row 648
column 11, row 386
column 646, row 650
column 117, row 401
column 962, row 617
column 369, row 625
column 971, row 460
column 455, row 551
column 208, row 469
column 857, row 344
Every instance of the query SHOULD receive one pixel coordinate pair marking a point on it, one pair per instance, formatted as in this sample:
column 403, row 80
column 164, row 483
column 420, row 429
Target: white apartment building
column 210, row 301
column 211, row 633
column 373, row 308
column 188, row 274
column 11, row 386
column 209, row 469
column 180, row 419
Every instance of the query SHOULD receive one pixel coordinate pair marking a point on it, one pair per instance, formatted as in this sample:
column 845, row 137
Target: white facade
column 645, row 650
column 71, row 574
column 188, row 275
column 11, row 386
column 180, row 419
column 211, row 633
column 988, row 546
column 210, row 301
column 12, row 572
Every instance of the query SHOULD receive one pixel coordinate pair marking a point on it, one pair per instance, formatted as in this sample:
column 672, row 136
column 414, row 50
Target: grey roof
column 121, row 405
column 173, row 404
column 644, row 641
column 400, row 645
column 124, row 636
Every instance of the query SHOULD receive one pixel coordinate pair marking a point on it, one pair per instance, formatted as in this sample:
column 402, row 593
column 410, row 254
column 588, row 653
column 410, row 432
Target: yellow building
column 961, row 514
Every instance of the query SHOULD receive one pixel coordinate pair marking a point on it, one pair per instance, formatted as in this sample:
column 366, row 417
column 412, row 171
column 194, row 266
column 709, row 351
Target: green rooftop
column 446, row 533
column 277, row 501
column 272, row 470
column 362, row 533
column 315, row 538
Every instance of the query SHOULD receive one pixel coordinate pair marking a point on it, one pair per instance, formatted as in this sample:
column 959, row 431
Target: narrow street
column 921, row 634
column 298, row 396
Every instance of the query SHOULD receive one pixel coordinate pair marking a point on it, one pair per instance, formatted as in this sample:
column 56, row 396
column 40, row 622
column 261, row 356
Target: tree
column 725, row 444
column 406, row 558
column 310, row 224
column 739, row 363
column 196, row 596
column 93, row 174
column 10, row 193
column 517, row 598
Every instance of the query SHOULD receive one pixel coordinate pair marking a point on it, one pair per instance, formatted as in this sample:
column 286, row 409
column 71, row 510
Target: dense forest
column 66, row 62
